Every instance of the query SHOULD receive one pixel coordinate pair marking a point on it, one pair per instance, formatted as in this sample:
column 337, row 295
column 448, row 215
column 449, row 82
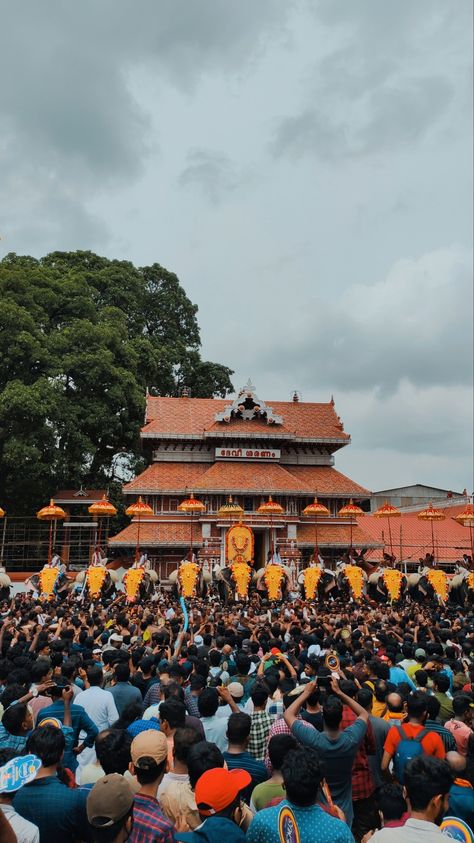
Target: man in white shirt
column 215, row 728
column 99, row 705
column 427, row 782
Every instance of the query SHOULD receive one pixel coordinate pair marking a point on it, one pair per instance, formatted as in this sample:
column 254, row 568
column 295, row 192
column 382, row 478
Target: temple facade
column 250, row 449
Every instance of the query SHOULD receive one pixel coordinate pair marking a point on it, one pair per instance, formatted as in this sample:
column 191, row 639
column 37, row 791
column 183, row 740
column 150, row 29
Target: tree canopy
column 81, row 338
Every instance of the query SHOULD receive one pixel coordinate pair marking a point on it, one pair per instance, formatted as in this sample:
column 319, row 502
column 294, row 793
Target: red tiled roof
column 195, row 416
column 325, row 480
column 238, row 477
column 412, row 538
column 167, row 476
column 153, row 533
column 330, row 535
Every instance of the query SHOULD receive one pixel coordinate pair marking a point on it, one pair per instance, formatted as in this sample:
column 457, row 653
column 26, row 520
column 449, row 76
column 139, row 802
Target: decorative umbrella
column 230, row 509
column 192, row 506
column 51, row 513
column 102, row 509
column 316, row 509
column 270, row 508
column 388, row 511
column 138, row 510
column 351, row 510
column 466, row 518
column 431, row 514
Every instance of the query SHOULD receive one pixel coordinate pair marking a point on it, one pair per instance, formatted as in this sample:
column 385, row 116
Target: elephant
column 107, row 588
column 326, row 583
column 419, row 586
column 60, row 586
column 344, row 586
column 377, row 587
column 196, row 581
column 145, row 587
column 225, row 583
column 461, row 587
column 284, row 586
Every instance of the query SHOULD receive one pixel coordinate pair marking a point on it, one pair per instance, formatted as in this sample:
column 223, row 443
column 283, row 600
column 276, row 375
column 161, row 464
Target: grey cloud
column 212, row 172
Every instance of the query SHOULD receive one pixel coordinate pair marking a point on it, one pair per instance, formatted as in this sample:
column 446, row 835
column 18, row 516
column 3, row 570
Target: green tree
column 81, row 338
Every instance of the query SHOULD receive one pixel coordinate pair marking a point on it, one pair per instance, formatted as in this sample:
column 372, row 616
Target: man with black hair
column 175, row 794
column 411, row 730
column 380, row 729
column 302, row 776
column 261, row 722
column 203, row 756
column 460, row 725
column 215, row 727
column 81, row 723
column 440, row 691
column 57, row 810
column 313, row 712
column 433, row 706
column 122, row 690
column 392, row 806
column 17, row 723
column 149, row 753
column 270, row 791
column 237, row 756
column 99, row 705
column 427, row 782
column 113, row 756
column 336, row 748
column 172, row 716
column 110, row 810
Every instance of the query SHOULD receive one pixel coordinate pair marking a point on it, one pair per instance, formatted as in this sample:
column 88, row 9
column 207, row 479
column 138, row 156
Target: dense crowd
column 303, row 721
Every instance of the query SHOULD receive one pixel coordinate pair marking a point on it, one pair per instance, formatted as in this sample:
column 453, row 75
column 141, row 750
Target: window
column 174, row 503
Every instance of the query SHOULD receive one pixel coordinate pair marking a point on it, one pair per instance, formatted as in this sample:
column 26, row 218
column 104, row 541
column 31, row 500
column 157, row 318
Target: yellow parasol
column 51, row 513
column 193, row 507
column 388, row 511
column 102, row 509
column 138, row 510
column 431, row 514
column 230, row 509
column 316, row 509
column 352, row 511
column 466, row 518
column 270, row 508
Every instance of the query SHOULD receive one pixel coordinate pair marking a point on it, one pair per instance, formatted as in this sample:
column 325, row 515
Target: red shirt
column 431, row 743
column 363, row 784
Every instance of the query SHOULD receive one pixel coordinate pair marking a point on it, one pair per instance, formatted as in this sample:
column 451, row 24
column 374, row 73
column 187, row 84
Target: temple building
column 249, row 449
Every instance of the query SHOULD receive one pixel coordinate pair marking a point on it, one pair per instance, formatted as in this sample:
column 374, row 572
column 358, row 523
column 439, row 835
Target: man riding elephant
column 350, row 577
column 316, row 579
column 386, row 583
column 140, row 580
column 274, row 579
column 5, row 584
column 461, row 587
column 98, row 580
column 419, row 586
column 50, row 580
column 190, row 578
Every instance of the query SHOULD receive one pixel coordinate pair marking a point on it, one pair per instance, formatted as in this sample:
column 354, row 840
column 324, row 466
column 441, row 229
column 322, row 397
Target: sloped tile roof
column 325, row 480
column 330, row 535
column 267, row 478
column 411, row 537
column 195, row 416
column 167, row 476
column 153, row 533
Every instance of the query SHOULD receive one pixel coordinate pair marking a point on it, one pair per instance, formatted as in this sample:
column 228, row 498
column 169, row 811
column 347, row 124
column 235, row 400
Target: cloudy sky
column 304, row 166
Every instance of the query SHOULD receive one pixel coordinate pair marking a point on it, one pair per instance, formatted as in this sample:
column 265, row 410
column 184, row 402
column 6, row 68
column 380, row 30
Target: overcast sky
column 306, row 170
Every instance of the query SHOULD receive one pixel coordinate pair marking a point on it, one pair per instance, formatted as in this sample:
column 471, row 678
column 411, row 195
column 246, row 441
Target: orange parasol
column 466, row 518
column 351, row 510
column 388, row 511
column 316, row 509
column 2, row 515
column 102, row 509
column 2, row 512
column 229, row 509
column 138, row 510
column 431, row 514
column 271, row 508
column 192, row 506
column 51, row 513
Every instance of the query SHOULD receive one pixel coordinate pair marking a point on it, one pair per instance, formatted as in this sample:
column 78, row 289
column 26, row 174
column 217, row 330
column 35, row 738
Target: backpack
column 407, row 749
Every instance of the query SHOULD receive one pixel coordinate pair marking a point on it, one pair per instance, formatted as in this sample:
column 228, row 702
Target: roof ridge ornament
column 248, row 406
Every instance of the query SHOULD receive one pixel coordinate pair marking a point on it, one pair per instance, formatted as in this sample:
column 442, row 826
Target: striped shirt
column 448, row 741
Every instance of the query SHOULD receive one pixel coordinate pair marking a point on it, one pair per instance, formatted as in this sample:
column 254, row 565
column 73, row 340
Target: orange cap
column 217, row 789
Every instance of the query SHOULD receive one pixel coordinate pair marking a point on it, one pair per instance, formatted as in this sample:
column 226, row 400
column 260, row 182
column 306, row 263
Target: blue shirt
column 245, row 761
column 57, row 810
column 314, row 825
column 124, row 693
column 80, row 721
column 398, row 675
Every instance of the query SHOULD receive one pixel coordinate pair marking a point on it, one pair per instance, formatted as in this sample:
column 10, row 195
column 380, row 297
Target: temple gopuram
column 249, row 449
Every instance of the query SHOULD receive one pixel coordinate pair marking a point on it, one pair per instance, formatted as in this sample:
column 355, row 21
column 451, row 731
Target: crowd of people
column 267, row 723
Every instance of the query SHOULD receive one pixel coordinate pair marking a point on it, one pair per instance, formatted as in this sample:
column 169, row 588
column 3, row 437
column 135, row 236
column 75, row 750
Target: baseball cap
column 97, row 651
column 109, row 801
column 236, row 689
column 149, row 744
column 461, row 703
column 275, row 651
column 216, row 789
column 420, row 653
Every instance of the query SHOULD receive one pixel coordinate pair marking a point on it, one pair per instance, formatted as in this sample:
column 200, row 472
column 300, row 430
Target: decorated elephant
column 233, row 580
column 386, row 585
column 139, row 583
column 461, row 586
column 97, row 582
column 429, row 582
column 351, row 580
column 5, row 585
column 50, row 582
column 273, row 580
column 190, row 579
column 316, row 581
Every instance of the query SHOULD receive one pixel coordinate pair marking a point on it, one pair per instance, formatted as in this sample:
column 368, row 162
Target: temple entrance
column 259, row 548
